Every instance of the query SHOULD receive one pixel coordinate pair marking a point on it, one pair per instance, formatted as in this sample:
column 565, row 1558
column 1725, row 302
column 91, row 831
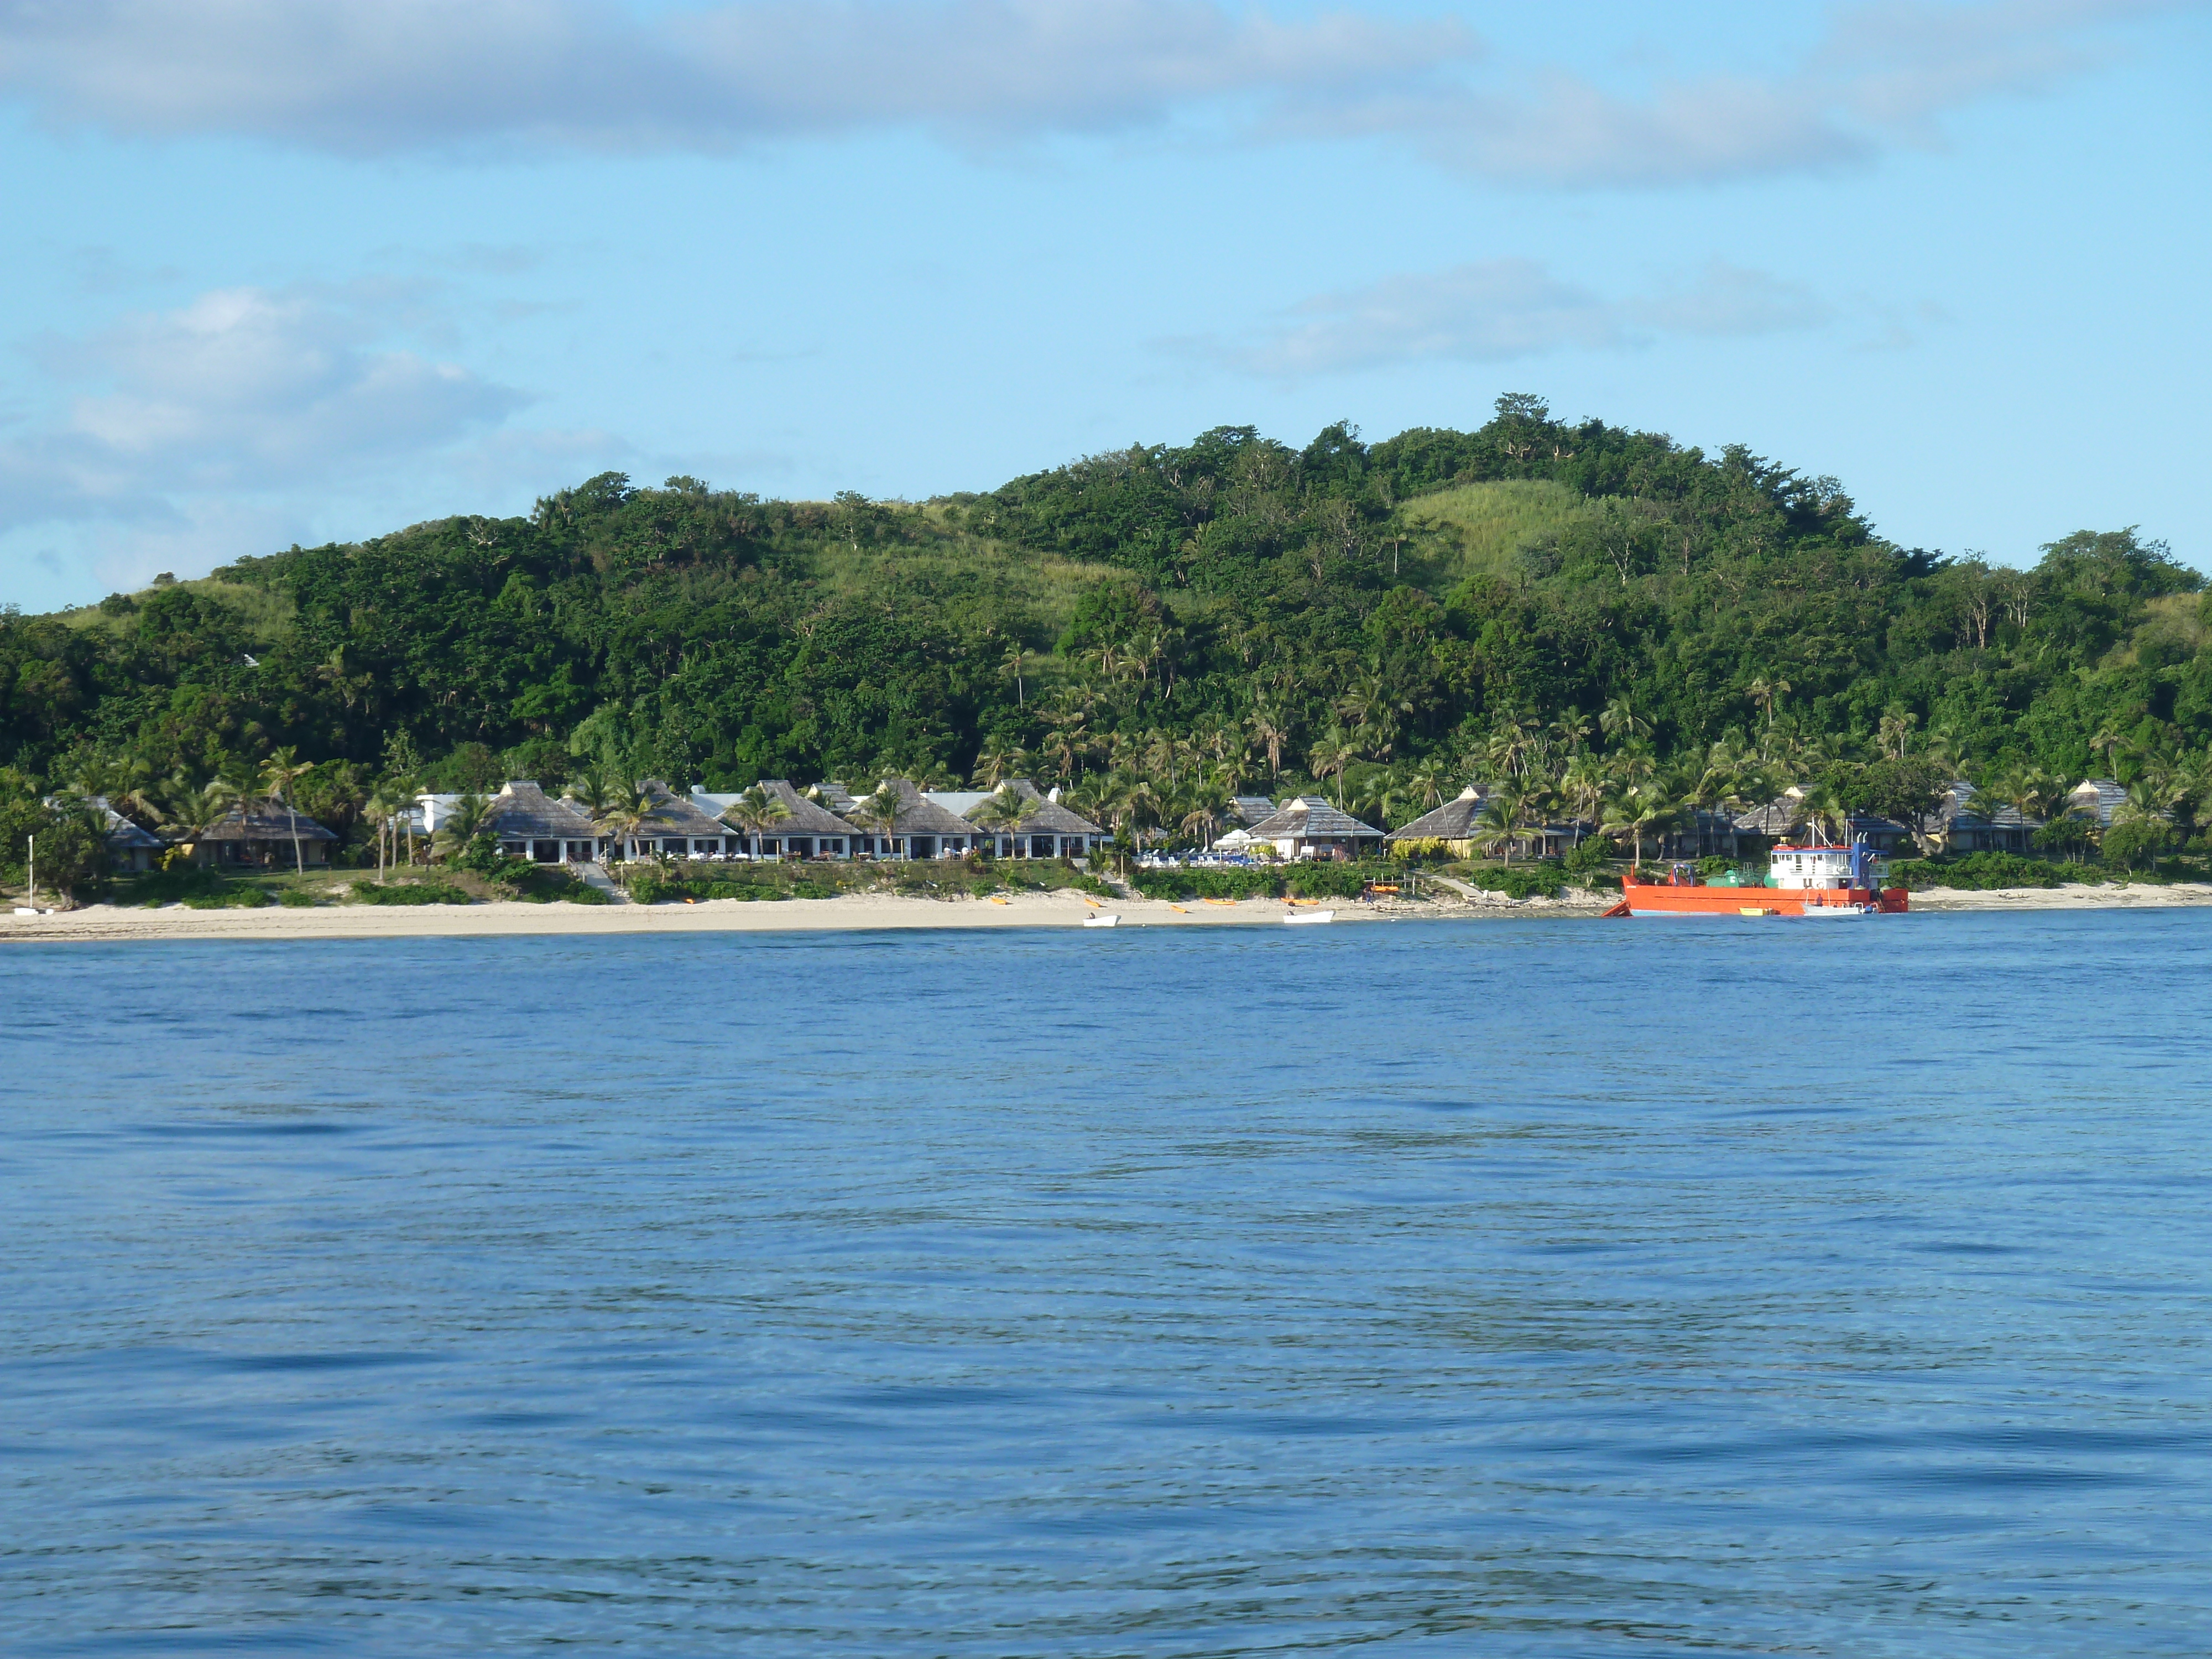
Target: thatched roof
column 1310, row 817
column 1454, row 821
column 2097, row 798
column 918, row 815
column 263, row 823
column 807, row 817
column 523, row 812
column 1962, row 802
column 1249, row 810
column 1042, row 815
column 674, row 815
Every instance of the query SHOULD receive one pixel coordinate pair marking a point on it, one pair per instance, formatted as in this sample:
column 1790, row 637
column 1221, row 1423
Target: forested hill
column 1388, row 617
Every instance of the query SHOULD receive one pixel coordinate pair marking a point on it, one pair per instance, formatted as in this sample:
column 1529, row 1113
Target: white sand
column 850, row 912
column 2073, row 896
column 860, row 911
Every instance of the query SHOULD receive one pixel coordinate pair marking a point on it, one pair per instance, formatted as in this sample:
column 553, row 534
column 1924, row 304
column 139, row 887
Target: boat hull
column 1638, row 899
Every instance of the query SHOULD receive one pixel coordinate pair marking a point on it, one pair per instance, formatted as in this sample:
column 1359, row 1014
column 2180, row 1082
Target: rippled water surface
column 1510, row 1288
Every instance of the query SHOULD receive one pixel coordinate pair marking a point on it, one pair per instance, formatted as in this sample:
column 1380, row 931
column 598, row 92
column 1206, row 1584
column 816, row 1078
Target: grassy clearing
column 1476, row 529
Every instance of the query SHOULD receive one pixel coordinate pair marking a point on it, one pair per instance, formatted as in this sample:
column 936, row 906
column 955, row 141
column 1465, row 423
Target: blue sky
column 301, row 270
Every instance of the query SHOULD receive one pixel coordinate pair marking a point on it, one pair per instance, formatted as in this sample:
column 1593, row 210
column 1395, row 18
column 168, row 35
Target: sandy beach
column 863, row 912
column 851, row 913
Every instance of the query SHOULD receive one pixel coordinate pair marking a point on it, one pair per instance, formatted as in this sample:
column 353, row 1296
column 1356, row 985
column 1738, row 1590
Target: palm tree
column 997, row 762
column 1620, row 721
column 1764, row 691
column 756, row 810
column 1003, row 809
column 629, row 806
column 1637, row 812
column 1011, row 668
column 279, row 773
column 380, row 809
column 879, row 812
column 1333, row 754
column 1271, row 732
column 2109, row 740
column 1582, row 784
column 190, row 810
column 1500, row 823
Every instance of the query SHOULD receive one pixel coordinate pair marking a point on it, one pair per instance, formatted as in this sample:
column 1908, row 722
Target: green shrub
column 1207, row 883
column 1328, row 880
column 227, row 898
column 1584, row 857
column 1520, row 881
column 1977, row 873
column 297, row 898
column 419, row 892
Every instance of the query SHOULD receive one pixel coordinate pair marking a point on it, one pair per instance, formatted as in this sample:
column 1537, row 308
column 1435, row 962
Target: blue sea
column 1528, row 1287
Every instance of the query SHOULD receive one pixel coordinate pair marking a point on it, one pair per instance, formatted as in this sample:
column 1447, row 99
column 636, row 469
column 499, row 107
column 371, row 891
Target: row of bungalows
column 529, row 823
column 1961, row 824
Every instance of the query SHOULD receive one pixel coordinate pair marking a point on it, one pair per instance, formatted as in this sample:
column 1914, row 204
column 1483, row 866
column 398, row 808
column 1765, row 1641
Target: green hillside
column 1154, row 626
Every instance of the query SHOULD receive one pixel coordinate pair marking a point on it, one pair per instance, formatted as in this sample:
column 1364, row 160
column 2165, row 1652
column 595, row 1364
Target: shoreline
column 850, row 912
column 868, row 912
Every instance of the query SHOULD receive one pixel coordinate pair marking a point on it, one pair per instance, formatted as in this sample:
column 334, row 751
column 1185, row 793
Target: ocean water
column 1503, row 1288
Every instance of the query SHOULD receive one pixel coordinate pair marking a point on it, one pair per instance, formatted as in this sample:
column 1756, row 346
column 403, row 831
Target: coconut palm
column 1002, row 811
column 759, row 808
column 1582, row 785
column 1638, row 811
column 279, row 773
column 1620, row 721
column 1764, row 691
column 2109, row 741
column 997, row 763
column 629, row 806
column 1271, row 732
column 189, row 811
column 879, row 812
column 1499, row 825
column 1332, row 754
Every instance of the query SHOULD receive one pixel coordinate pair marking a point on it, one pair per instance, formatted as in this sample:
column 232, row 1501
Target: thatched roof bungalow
column 1047, row 828
column 259, row 833
column 528, row 824
column 677, row 827
column 1309, row 827
column 810, row 830
column 1971, row 821
column 1456, row 823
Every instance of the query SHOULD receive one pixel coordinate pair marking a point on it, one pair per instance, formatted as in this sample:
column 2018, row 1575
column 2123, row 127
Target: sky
column 299, row 271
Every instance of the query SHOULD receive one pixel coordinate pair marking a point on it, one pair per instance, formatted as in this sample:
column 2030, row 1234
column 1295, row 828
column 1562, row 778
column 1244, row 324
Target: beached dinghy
column 1102, row 921
column 1300, row 918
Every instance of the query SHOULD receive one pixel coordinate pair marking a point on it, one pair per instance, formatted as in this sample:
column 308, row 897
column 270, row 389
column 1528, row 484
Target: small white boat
column 1102, row 921
column 1840, row 909
column 1302, row 918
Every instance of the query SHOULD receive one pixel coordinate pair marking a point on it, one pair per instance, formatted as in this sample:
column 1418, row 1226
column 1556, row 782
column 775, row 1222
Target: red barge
column 1801, row 881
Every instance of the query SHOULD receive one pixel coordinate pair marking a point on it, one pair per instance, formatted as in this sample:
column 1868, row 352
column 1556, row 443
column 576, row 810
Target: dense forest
column 1613, row 622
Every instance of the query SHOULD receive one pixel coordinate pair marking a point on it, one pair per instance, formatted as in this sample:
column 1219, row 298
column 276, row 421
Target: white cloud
column 242, row 392
column 372, row 77
column 1498, row 309
column 368, row 77
column 1883, row 75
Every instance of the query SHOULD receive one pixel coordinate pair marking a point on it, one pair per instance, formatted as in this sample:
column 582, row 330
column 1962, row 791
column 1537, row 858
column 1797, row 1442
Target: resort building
column 807, row 830
column 261, row 835
column 530, row 824
column 1046, row 829
column 675, row 826
column 1308, row 827
column 131, row 849
column 2096, row 800
column 1970, row 822
column 1456, row 823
